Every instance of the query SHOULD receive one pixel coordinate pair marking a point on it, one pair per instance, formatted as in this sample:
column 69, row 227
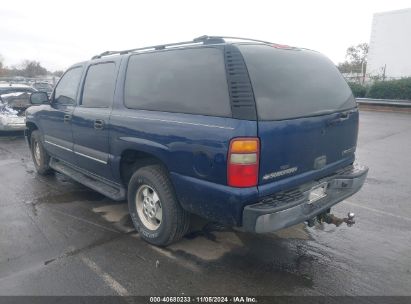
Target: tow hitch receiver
column 330, row 218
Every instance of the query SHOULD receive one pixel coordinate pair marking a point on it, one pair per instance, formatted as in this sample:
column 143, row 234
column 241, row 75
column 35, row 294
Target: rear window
column 184, row 81
column 291, row 83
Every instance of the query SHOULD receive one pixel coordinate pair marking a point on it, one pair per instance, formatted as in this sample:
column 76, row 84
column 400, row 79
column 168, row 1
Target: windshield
column 290, row 83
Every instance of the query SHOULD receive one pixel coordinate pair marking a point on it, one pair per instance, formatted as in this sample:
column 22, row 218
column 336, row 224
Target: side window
column 66, row 89
column 99, row 86
column 184, row 81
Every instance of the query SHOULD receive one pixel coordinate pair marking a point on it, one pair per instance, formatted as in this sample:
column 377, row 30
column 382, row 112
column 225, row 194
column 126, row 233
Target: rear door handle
column 98, row 124
column 67, row 117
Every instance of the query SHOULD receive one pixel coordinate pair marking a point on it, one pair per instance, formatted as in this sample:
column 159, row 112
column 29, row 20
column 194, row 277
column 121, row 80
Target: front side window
column 99, row 85
column 185, row 81
column 66, row 89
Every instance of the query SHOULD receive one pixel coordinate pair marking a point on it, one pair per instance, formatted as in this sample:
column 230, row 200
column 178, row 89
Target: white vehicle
column 14, row 100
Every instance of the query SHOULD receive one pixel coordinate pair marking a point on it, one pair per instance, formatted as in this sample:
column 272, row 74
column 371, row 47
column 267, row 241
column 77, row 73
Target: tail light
column 243, row 162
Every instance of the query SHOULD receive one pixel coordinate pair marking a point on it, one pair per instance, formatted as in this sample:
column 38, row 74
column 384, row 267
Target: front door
column 91, row 119
column 56, row 123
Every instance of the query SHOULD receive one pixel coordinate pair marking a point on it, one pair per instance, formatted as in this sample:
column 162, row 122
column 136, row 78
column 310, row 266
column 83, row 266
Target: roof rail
column 205, row 38
column 202, row 39
column 154, row 47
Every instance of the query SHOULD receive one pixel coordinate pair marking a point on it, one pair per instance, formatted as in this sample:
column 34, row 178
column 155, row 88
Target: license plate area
column 317, row 192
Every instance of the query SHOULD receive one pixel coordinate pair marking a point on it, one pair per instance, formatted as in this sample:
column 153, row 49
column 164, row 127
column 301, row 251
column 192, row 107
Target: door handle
column 67, row 118
column 98, row 124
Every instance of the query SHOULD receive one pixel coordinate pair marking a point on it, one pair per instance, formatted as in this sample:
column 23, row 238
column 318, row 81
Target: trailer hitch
column 330, row 218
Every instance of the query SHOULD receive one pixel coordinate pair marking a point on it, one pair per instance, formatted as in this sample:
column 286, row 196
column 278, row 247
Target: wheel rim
column 37, row 153
column 149, row 207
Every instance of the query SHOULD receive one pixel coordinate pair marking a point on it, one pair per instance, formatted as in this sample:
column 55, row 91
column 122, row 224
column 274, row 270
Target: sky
column 60, row 33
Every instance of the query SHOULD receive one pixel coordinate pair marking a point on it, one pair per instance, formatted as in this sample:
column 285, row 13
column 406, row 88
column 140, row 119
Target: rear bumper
column 13, row 127
column 292, row 207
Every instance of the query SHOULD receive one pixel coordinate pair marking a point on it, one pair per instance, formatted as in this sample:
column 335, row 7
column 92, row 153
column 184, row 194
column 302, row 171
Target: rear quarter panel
column 194, row 150
column 191, row 145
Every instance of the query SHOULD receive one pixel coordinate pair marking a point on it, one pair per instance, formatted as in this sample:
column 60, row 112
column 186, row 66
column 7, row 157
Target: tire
column 165, row 222
column 40, row 157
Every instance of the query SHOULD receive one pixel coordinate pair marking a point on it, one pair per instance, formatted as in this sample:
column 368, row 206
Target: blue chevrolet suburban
column 242, row 132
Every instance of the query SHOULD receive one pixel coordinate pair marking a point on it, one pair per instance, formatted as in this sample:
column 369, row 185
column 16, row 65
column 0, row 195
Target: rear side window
column 66, row 89
column 99, row 85
column 291, row 83
column 185, row 81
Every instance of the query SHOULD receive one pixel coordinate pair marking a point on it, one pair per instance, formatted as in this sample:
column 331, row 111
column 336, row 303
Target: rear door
column 91, row 119
column 307, row 116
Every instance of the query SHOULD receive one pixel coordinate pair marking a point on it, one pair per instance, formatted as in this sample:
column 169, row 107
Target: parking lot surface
column 60, row 238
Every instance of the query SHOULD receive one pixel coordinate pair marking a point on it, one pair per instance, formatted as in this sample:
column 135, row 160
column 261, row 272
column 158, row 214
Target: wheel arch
column 30, row 127
column 132, row 159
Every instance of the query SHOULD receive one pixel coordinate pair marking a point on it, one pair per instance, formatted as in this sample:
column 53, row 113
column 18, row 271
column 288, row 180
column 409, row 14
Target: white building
column 390, row 44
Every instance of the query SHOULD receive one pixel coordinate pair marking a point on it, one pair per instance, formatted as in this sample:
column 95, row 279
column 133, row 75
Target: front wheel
column 40, row 157
column 154, row 208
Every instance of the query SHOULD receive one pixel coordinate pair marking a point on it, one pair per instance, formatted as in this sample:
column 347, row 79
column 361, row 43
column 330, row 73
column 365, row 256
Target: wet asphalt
column 59, row 238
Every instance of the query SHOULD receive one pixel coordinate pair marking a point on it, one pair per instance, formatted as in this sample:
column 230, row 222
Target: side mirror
column 37, row 98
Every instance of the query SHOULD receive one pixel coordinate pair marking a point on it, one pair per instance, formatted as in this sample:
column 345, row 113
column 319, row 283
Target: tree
column 58, row 73
column 357, row 54
column 32, row 68
column 355, row 59
column 1, row 65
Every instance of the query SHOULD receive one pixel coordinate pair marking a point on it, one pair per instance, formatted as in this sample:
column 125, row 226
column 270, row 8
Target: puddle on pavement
column 207, row 247
column 112, row 213
column 53, row 198
column 212, row 245
column 294, row 232
column 282, row 254
column 33, row 207
column 81, row 195
column 116, row 214
column 63, row 179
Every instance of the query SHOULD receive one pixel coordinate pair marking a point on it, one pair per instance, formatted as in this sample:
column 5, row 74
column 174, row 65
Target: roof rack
column 202, row 39
column 205, row 38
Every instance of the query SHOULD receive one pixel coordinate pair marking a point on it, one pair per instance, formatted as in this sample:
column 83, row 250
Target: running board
column 116, row 193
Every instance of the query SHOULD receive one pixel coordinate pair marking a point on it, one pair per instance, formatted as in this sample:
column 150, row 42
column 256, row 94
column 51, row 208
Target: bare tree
column 357, row 54
column 1, row 65
column 32, row 68
column 58, row 73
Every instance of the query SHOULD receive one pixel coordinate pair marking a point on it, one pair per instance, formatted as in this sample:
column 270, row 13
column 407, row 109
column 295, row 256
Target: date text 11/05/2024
column 202, row 299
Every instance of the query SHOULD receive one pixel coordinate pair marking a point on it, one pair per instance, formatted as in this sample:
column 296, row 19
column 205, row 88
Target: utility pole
column 362, row 72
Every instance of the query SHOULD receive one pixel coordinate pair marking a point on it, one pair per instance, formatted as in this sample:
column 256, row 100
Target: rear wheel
column 154, row 208
column 40, row 157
